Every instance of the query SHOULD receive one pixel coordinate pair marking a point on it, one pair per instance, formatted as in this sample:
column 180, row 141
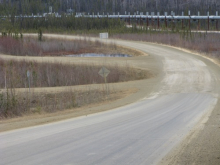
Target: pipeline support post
column 158, row 23
column 199, row 23
column 147, row 21
column 173, row 24
column 216, row 21
column 166, row 21
column 189, row 20
column 189, row 23
column 129, row 20
column 182, row 23
column 140, row 21
column 208, row 22
column 152, row 22
column 182, row 20
column 137, row 20
column 158, row 20
column 152, row 19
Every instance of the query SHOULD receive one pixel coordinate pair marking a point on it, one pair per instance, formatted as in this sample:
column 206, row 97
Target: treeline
column 27, row 7
column 63, row 24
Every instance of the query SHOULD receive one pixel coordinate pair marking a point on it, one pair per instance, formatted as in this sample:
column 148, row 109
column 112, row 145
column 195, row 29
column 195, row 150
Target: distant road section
column 140, row 133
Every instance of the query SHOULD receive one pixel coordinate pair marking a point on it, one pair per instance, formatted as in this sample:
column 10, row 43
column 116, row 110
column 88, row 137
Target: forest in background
column 27, row 7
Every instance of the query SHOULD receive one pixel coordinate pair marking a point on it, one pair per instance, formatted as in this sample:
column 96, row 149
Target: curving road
column 140, row 133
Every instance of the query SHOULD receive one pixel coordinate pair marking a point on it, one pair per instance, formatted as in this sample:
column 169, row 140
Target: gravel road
column 167, row 114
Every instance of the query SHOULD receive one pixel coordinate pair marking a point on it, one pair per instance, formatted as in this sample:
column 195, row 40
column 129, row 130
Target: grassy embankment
column 13, row 75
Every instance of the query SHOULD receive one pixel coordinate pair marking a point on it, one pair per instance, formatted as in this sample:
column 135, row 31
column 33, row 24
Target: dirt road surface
column 174, row 118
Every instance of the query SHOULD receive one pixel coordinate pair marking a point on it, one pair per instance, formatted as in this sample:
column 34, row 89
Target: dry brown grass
column 14, row 104
column 199, row 42
column 13, row 75
column 58, row 47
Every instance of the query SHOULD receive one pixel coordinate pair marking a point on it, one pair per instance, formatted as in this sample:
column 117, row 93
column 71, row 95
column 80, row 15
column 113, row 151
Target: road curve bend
column 139, row 133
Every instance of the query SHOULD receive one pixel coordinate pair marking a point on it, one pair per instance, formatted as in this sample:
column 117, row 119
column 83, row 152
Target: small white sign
column 28, row 73
column 103, row 35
